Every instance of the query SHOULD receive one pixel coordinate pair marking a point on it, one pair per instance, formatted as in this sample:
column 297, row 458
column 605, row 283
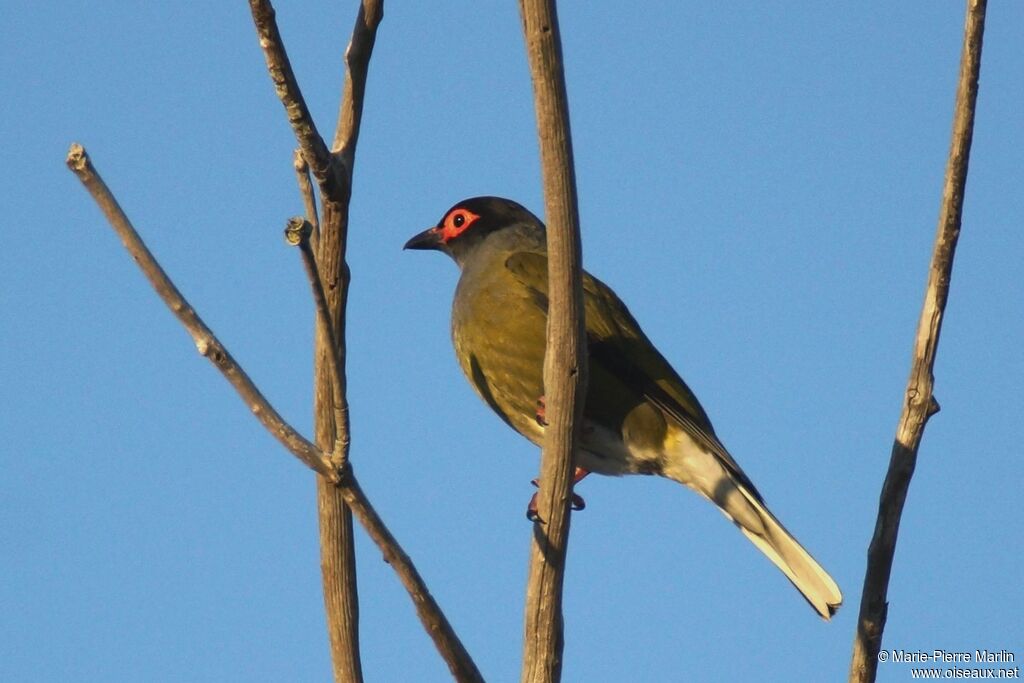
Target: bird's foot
column 541, row 408
column 577, row 503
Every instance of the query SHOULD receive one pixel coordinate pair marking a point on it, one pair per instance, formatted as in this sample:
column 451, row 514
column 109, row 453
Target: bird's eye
column 456, row 221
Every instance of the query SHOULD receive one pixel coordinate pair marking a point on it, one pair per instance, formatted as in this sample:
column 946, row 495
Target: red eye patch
column 456, row 223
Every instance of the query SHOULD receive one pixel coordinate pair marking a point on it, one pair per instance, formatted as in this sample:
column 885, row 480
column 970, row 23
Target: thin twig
column 919, row 403
column 342, row 482
column 565, row 363
column 297, row 233
column 321, row 162
column 206, row 342
column 357, row 61
column 308, row 198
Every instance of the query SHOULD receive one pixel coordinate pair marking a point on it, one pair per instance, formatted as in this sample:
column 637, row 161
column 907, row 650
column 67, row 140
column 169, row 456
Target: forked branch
column 343, row 479
column 919, row 403
column 333, row 170
column 298, row 233
column 206, row 342
column 331, row 415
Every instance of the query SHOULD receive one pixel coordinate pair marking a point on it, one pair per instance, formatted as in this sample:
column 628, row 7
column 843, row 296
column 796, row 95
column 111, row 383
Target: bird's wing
column 618, row 347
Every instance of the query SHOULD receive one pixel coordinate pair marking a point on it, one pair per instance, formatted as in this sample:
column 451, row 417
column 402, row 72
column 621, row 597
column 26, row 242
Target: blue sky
column 758, row 181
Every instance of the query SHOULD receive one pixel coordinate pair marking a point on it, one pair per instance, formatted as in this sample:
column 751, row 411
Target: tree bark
column 919, row 403
column 565, row 363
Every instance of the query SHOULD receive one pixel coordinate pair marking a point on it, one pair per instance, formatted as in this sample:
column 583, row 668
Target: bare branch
column 332, row 247
column 919, row 403
column 337, row 551
column 334, row 175
column 332, row 183
column 430, row 614
column 338, row 575
column 565, row 363
column 341, row 482
column 306, row 189
column 297, row 233
column 357, row 61
column 206, row 342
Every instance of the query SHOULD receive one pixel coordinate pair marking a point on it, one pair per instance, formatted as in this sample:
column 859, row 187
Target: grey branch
column 342, row 481
column 919, row 403
column 436, row 624
column 206, row 342
column 337, row 545
column 331, row 418
column 565, row 363
column 333, row 171
column 332, row 183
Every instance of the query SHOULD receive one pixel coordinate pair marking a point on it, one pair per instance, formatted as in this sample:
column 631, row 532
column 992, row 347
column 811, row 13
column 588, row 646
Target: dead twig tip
column 77, row 159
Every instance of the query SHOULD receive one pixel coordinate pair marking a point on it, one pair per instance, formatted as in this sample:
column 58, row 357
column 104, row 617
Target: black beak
column 428, row 239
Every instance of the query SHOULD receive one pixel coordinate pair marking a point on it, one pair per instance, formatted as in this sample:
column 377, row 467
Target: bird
column 639, row 416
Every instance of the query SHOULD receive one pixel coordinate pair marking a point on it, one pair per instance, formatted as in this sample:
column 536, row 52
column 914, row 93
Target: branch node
column 203, row 337
column 920, row 403
column 297, row 230
column 334, row 175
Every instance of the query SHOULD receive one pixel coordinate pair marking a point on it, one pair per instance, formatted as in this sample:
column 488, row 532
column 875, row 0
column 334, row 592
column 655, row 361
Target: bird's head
column 470, row 222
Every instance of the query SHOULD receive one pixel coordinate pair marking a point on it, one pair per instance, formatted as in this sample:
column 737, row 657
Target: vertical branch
column 338, row 575
column 357, row 61
column 337, row 554
column 298, row 232
column 919, row 403
column 334, row 227
column 329, row 275
column 333, row 172
column 565, row 363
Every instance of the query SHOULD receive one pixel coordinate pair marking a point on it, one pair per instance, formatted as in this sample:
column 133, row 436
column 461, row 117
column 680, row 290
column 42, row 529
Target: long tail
column 744, row 507
column 772, row 539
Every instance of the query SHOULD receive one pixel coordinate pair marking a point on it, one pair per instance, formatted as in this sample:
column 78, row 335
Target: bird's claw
column 541, row 410
column 576, row 503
